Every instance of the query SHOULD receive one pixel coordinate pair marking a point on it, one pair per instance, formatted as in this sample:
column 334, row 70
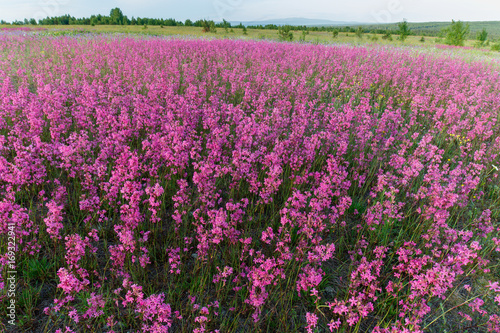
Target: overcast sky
column 381, row 11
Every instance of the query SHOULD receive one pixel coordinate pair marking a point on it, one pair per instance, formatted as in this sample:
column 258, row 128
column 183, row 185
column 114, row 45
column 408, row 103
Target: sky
column 366, row 11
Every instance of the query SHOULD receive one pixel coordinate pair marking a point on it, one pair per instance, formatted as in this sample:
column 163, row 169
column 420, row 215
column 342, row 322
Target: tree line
column 116, row 17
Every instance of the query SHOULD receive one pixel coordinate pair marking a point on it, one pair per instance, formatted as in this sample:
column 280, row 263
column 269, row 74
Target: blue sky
column 381, row 11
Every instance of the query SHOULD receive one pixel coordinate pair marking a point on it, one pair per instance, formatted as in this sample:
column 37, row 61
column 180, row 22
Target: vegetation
column 387, row 35
column 285, row 33
column 359, row 32
column 116, row 17
column 172, row 185
column 226, row 25
column 404, row 30
column 238, row 31
column 302, row 37
column 208, row 26
column 434, row 29
column 457, row 33
column 481, row 38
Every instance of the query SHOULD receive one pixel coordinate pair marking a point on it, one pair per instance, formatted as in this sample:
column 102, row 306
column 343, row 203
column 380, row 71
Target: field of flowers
column 166, row 185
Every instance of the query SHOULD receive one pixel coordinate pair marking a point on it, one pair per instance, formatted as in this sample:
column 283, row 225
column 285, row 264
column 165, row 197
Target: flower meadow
column 168, row 185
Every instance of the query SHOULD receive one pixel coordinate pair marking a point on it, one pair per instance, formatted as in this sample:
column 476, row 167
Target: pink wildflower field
column 169, row 185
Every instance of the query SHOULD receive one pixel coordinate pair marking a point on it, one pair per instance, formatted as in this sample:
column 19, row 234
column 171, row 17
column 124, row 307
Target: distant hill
column 422, row 28
column 434, row 28
column 297, row 21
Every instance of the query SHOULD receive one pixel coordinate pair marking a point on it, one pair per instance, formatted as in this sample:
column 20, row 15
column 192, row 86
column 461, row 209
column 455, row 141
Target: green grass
column 312, row 37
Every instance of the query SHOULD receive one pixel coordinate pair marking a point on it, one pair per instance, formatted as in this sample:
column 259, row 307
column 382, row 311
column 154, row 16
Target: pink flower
column 312, row 321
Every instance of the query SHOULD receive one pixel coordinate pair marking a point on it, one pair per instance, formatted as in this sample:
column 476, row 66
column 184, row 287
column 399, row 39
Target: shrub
column 387, row 35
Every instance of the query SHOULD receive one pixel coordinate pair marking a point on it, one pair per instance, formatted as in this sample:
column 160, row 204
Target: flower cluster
column 347, row 187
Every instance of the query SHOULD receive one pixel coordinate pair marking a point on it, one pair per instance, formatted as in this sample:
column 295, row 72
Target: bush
column 387, row 35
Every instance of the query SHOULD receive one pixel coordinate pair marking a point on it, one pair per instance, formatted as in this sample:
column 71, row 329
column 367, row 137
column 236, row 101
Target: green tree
column 213, row 27
column 335, row 33
column 226, row 25
column 205, row 26
column 303, row 37
column 481, row 37
column 208, row 26
column 116, row 16
column 404, row 30
column 285, row 33
column 359, row 32
column 456, row 33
